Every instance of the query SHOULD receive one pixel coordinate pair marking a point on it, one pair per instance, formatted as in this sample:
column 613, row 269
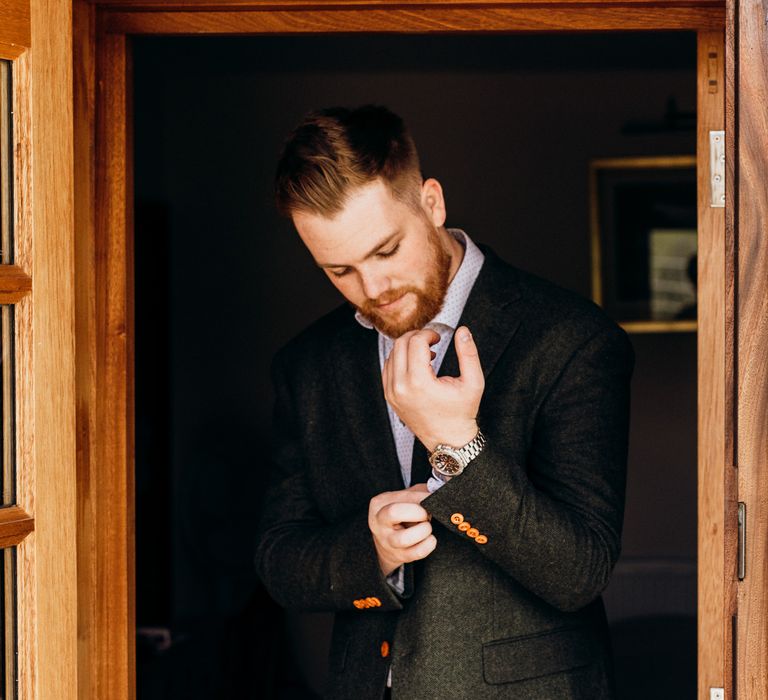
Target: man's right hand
column 400, row 526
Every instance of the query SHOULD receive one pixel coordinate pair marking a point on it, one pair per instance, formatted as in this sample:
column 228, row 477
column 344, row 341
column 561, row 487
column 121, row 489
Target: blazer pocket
column 534, row 655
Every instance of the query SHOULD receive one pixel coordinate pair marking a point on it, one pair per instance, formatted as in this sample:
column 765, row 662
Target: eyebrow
column 373, row 252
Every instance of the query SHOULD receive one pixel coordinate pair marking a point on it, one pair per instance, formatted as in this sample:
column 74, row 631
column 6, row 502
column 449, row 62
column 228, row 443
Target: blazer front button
column 481, row 539
column 457, row 518
column 384, row 649
column 473, row 532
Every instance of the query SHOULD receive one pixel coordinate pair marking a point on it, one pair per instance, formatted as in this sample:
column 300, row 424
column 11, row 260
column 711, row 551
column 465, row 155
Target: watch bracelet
column 474, row 447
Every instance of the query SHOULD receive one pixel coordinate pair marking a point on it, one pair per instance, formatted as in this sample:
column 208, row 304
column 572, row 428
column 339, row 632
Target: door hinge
column 717, row 168
column 742, row 557
column 717, row 694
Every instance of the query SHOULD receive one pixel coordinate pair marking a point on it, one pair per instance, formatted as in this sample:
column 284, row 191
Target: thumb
column 469, row 360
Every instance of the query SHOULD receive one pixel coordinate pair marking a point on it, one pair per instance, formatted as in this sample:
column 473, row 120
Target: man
column 476, row 574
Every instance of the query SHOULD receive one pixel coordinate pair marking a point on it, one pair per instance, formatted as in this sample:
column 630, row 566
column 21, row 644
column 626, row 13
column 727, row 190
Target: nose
column 374, row 285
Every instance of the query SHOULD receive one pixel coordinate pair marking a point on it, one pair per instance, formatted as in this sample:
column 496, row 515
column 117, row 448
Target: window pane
column 7, row 444
column 7, row 403
column 6, row 164
column 8, row 667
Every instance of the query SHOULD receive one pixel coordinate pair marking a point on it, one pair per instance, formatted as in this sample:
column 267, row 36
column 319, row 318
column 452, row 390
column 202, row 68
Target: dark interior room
column 509, row 125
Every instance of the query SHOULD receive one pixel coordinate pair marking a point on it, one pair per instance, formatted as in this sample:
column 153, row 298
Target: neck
column 456, row 252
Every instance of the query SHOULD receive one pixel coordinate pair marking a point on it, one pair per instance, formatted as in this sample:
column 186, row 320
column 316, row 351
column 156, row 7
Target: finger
column 399, row 514
column 405, row 514
column 469, row 359
column 409, row 495
column 420, row 355
column 433, row 337
column 414, row 494
column 421, row 550
column 395, row 365
column 420, row 489
column 409, row 536
column 398, row 360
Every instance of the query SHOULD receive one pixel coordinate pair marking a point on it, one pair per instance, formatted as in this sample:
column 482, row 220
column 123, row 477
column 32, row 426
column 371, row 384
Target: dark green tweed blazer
column 519, row 616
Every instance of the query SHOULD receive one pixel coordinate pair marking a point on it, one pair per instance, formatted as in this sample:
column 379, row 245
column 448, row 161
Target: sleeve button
column 481, row 539
column 473, row 532
column 464, row 526
column 457, row 518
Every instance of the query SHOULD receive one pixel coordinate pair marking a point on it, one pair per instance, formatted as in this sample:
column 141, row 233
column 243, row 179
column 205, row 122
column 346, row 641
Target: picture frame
column 643, row 226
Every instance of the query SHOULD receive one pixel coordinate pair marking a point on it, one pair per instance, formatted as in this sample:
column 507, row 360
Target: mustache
column 370, row 305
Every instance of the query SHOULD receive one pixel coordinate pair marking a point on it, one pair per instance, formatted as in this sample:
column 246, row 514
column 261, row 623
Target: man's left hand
column 438, row 410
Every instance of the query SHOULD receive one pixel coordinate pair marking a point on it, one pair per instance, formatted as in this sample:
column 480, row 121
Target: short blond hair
column 336, row 150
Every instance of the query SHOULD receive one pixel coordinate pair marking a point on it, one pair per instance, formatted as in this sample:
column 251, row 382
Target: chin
column 394, row 329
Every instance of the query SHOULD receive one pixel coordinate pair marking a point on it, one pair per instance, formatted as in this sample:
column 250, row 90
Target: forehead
column 370, row 214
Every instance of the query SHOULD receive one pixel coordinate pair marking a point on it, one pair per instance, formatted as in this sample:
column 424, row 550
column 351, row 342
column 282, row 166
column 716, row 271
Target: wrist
column 455, row 436
column 388, row 568
column 386, row 565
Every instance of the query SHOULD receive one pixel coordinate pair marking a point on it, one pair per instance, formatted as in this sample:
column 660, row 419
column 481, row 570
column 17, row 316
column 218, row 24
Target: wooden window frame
column 103, row 214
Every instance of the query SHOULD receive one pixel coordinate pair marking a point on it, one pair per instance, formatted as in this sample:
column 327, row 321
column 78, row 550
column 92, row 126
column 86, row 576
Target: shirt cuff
column 396, row 580
column 433, row 484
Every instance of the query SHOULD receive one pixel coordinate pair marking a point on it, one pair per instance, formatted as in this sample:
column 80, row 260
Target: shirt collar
column 458, row 290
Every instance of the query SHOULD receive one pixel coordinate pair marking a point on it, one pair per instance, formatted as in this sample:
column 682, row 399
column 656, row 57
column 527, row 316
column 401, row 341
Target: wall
column 508, row 124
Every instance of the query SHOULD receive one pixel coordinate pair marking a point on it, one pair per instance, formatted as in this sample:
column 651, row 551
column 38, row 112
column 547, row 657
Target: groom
column 449, row 453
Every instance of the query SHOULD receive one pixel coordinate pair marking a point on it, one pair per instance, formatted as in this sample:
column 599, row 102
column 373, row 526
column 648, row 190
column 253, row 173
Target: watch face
column 445, row 462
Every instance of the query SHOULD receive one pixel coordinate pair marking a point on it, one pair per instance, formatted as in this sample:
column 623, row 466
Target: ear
column 433, row 201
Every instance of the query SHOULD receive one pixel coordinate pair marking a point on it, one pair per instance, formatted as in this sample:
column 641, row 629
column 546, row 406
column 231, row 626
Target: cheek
column 416, row 262
column 416, row 274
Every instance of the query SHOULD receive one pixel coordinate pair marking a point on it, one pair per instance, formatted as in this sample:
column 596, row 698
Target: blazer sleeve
column 304, row 561
column 554, row 523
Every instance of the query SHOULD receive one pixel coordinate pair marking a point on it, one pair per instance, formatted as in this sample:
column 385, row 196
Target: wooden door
column 733, row 371
column 37, row 424
column 104, row 265
column 747, row 285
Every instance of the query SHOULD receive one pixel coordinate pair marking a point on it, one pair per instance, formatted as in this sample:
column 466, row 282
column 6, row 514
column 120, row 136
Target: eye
column 389, row 253
column 339, row 273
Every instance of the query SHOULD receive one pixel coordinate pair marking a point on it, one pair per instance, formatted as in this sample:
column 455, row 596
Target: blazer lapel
column 358, row 377
column 492, row 313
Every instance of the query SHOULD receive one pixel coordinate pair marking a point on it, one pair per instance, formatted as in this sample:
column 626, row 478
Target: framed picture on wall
column 643, row 248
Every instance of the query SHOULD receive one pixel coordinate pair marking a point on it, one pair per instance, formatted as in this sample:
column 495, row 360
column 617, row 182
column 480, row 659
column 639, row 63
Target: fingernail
column 465, row 335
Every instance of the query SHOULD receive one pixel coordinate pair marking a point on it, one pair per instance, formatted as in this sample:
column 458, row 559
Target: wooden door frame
column 41, row 524
column 104, row 263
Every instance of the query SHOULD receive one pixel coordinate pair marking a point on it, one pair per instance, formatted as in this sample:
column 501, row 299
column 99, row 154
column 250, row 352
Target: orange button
column 373, row 602
column 359, row 604
column 457, row 518
column 384, row 649
column 473, row 532
column 464, row 526
column 481, row 539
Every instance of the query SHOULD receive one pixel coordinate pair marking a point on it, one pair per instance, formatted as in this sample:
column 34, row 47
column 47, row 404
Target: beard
column 429, row 298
